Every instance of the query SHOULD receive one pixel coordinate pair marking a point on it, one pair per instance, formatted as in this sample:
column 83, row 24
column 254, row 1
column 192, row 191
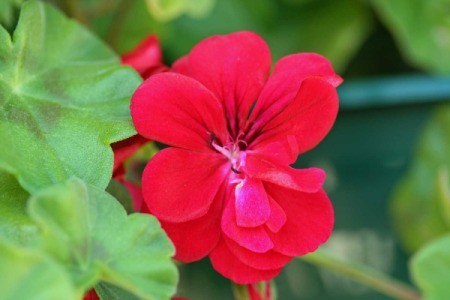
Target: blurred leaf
column 444, row 194
column 110, row 292
column 119, row 192
column 7, row 12
column 416, row 205
column 89, row 232
column 63, row 100
column 165, row 10
column 15, row 225
column 430, row 269
column 27, row 274
column 335, row 29
column 422, row 29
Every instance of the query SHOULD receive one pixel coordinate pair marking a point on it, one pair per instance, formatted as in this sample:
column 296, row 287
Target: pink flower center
column 234, row 151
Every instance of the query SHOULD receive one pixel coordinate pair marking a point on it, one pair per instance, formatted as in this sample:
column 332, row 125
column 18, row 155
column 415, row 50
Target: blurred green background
column 391, row 140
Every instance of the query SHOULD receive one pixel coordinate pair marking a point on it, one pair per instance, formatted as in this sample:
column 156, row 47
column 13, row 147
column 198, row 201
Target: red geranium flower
column 225, row 188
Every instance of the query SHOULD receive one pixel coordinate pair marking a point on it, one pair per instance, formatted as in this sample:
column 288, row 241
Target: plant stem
column 364, row 275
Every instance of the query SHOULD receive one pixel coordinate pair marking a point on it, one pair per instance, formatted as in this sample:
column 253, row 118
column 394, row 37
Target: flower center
column 234, row 151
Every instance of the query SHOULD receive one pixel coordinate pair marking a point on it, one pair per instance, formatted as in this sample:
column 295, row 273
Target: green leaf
column 89, row 232
column 422, row 29
column 430, row 269
column 419, row 195
column 27, row 274
column 15, row 225
column 63, row 100
column 7, row 12
column 119, row 191
column 444, row 194
column 344, row 26
column 110, row 292
column 165, row 10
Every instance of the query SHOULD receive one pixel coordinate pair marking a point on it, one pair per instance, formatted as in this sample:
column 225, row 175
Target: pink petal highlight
column 252, row 204
column 255, row 239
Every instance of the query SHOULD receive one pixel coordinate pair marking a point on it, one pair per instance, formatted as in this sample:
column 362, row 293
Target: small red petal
column 227, row 264
column 146, row 58
column 306, row 180
column 180, row 185
column 262, row 261
column 255, row 239
column 309, row 222
column 277, row 217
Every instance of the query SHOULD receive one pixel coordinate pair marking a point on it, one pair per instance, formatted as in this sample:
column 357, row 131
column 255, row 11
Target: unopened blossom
column 224, row 187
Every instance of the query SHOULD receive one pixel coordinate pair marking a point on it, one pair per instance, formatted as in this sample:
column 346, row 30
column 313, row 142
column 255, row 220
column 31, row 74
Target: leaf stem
column 363, row 274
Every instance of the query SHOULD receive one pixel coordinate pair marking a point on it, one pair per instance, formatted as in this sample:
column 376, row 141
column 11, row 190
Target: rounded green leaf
column 419, row 195
column 430, row 268
column 15, row 225
column 64, row 98
column 27, row 274
column 422, row 29
column 89, row 232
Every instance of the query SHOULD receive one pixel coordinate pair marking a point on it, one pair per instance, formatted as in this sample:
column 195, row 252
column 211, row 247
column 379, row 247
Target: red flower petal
column 306, row 180
column 181, row 66
column 179, row 185
column 227, row 264
column 277, row 216
column 286, row 79
column 284, row 151
column 262, row 261
column 309, row 117
column 252, row 204
column 91, row 295
column 195, row 239
column 255, row 239
column 146, row 58
column 309, row 222
column 178, row 111
column 234, row 67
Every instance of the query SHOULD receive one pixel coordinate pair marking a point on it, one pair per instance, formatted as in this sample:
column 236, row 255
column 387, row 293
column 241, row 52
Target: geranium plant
column 117, row 169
